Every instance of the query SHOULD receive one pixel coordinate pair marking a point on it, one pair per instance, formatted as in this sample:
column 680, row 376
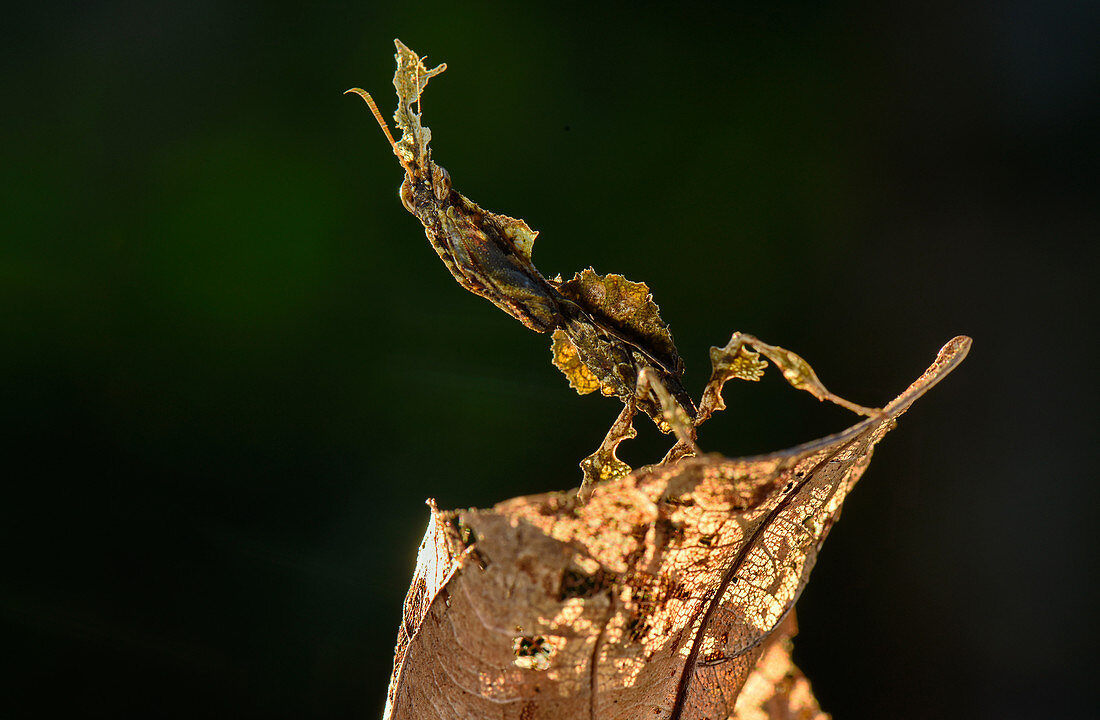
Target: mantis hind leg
column 740, row 358
column 801, row 376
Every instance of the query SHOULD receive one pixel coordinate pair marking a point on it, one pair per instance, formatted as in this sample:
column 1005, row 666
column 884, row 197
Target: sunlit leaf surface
column 666, row 595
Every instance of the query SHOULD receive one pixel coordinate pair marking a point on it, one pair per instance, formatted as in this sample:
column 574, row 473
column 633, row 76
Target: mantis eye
column 406, row 195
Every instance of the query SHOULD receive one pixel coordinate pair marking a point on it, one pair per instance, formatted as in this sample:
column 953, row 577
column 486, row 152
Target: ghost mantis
column 607, row 332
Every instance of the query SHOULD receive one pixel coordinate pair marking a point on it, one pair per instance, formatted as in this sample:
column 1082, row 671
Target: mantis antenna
column 382, row 124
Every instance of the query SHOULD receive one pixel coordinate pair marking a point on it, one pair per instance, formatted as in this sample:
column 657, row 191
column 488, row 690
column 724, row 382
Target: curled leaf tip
column 959, row 346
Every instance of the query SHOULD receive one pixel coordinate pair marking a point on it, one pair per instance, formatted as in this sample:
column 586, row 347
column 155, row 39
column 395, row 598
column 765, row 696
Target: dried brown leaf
column 663, row 596
column 776, row 689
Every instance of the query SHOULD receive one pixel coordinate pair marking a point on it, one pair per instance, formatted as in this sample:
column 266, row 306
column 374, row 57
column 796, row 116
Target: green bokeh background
column 232, row 369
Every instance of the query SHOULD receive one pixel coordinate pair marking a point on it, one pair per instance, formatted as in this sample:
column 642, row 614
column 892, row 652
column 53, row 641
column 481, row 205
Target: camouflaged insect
column 607, row 332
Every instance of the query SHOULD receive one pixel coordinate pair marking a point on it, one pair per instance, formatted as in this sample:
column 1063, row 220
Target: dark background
column 232, row 369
